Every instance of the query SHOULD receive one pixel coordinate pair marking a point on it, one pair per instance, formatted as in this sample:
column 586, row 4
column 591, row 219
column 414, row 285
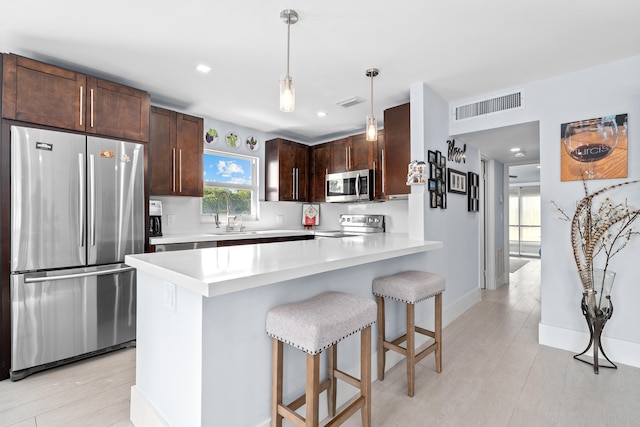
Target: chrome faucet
column 229, row 216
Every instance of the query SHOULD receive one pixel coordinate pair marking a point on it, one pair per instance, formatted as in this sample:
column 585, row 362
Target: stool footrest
column 425, row 332
column 422, row 353
column 346, row 412
column 291, row 416
column 297, row 403
column 395, row 347
column 347, row 378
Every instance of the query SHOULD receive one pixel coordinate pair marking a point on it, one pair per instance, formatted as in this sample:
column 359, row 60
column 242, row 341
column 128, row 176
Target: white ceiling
column 459, row 48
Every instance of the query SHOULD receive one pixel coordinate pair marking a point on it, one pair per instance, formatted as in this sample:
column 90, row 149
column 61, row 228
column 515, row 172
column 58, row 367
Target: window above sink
column 233, row 174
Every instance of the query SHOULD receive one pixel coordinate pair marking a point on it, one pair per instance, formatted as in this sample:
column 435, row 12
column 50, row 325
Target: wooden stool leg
column 438, row 332
column 365, row 374
column 313, row 387
column 381, row 337
column 333, row 389
column 276, row 382
column 411, row 348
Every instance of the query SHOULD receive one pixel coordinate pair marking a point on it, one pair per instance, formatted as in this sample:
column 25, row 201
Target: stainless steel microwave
column 352, row 186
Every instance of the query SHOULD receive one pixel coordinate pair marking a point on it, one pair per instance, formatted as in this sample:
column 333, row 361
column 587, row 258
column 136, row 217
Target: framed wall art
column 594, row 148
column 457, row 181
column 473, row 192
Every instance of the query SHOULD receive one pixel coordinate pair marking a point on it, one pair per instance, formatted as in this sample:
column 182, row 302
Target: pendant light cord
column 288, row 40
column 372, row 94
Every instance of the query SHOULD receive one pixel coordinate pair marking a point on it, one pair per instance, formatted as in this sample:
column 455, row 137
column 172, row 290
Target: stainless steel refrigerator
column 77, row 208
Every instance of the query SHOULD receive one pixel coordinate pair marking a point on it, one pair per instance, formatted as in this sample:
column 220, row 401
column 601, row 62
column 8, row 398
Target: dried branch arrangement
column 606, row 231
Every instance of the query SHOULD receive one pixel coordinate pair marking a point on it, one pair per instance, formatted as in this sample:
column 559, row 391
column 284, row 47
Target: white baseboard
column 143, row 413
column 619, row 351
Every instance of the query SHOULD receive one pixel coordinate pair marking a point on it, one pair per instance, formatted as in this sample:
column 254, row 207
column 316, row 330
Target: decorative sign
column 456, row 154
column 310, row 214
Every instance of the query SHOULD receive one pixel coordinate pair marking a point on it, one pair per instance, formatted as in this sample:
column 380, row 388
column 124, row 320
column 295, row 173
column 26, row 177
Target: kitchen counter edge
column 188, row 269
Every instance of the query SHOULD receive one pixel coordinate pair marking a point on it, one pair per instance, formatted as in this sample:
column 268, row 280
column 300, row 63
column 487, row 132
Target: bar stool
column 314, row 325
column 409, row 287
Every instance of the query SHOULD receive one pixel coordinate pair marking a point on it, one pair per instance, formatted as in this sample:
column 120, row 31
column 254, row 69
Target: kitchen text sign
column 456, row 154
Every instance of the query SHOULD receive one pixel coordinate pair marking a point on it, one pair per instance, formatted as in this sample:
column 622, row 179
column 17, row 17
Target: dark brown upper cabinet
column 397, row 151
column 176, row 151
column 39, row 93
column 287, row 171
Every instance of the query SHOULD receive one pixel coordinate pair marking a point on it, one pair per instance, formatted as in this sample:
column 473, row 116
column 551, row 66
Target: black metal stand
column 596, row 324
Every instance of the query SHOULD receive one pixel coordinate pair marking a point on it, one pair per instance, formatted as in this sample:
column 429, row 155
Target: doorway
column 524, row 211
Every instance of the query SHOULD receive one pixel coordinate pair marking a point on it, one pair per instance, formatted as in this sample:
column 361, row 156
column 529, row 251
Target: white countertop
column 220, row 234
column 219, row 271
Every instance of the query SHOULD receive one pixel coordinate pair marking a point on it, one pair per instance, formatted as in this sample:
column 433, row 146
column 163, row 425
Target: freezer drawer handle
column 75, row 276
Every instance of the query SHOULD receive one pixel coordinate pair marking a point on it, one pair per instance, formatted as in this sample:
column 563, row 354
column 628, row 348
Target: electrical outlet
column 280, row 219
column 169, row 297
column 171, row 219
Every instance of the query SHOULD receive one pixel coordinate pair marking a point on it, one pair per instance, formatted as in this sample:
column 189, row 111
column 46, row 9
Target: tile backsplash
column 184, row 213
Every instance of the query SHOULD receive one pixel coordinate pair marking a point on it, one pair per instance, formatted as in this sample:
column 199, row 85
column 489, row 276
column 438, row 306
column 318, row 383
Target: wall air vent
column 349, row 102
column 498, row 104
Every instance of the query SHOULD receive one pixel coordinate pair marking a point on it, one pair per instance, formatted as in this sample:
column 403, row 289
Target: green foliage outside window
column 240, row 201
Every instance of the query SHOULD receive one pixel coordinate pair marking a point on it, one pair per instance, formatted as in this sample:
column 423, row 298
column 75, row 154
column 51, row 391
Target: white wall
column 457, row 228
column 612, row 88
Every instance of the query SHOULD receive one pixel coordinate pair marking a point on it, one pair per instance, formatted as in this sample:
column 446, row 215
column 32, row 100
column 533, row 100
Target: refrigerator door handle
column 77, row 275
column 92, row 200
column 81, row 202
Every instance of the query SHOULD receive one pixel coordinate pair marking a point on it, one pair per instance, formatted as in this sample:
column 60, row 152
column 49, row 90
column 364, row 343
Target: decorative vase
column 597, row 308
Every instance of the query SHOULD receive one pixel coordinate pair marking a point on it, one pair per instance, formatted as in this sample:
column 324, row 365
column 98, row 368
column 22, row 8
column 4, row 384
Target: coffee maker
column 155, row 218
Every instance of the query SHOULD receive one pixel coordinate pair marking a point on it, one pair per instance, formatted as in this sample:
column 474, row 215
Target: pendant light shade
column 371, row 129
column 287, row 91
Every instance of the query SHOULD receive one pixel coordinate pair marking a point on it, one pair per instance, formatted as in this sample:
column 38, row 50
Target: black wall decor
column 438, row 180
column 473, row 192
column 456, row 154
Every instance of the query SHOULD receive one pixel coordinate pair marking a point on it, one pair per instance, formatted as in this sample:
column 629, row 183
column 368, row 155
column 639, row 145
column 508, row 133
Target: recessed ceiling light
column 321, row 114
column 515, row 149
column 203, row 68
column 519, row 154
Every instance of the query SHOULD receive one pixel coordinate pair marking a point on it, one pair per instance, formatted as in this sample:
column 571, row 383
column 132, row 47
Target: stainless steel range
column 355, row 225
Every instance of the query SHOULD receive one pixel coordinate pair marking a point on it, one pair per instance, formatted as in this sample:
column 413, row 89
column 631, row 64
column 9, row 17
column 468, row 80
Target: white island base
column 203, row 357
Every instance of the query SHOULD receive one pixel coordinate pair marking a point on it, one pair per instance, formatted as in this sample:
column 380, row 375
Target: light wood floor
column 494, row 373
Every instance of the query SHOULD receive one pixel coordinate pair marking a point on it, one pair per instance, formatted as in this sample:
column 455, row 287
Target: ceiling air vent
column 349, row 102
column 498, row 104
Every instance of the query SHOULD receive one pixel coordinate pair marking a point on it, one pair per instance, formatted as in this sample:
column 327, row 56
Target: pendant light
column 371, row 129
column 287, row 91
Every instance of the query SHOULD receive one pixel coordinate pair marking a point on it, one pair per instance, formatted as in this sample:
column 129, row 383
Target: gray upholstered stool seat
column 409, row 287
column 312, row 326
column 320, row 322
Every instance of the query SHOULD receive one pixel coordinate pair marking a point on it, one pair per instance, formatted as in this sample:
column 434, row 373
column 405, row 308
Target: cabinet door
column 320, row 162
column 397, row 130
column 35, row 92
column 302, row 172
column 360, row 153
column 286, row 178
column 162, row 152
column 190, row 149
column 339, row 150
column 116, row 110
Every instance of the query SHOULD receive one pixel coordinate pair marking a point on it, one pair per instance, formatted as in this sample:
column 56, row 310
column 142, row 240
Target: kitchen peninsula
column 203, row 357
